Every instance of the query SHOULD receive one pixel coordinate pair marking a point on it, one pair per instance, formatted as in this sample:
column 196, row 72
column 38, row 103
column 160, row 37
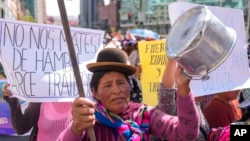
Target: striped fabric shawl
column 129, row 130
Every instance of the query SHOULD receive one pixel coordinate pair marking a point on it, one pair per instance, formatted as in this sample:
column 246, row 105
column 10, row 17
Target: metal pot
column 199, row 42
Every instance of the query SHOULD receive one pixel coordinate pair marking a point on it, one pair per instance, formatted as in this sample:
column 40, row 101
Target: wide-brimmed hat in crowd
column 112, row 59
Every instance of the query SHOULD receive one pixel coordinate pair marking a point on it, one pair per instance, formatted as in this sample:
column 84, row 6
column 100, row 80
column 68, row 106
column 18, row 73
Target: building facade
column 108, row 15
column 10, row 9
column 88, row 17
column 26, row 10
column 153, row 14
column 40, row 11
column 95, row 14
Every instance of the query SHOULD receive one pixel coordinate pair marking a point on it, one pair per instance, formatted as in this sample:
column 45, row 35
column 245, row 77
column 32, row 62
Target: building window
column 2, row 13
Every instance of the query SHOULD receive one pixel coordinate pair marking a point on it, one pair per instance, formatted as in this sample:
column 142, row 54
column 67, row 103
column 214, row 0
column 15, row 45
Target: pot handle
column 202, row 70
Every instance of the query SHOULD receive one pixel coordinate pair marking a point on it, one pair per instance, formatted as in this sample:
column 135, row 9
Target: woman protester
column 114, row 117
column 47, row 120
column 223, row 109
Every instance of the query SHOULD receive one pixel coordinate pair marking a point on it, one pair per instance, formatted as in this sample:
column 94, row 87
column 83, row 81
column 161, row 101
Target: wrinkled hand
column 6, row 91
column 182, row 81
column 83, row 115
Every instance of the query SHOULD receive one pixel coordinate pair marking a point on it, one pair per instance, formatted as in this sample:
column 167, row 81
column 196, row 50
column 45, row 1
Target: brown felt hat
column 112, row 59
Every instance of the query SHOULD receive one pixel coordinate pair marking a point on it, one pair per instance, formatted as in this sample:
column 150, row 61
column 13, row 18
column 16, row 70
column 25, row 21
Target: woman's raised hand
column 6, row 91
column 182, row 81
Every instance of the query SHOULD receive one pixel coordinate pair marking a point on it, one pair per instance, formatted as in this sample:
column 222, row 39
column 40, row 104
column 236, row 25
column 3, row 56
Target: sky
column 72, row 7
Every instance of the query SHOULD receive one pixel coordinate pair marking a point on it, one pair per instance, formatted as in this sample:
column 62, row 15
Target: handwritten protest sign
column 36, row 60
column 153, row 62
column 234, row 72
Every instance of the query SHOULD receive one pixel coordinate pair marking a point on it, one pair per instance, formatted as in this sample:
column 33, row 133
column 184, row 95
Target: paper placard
column 36, row 60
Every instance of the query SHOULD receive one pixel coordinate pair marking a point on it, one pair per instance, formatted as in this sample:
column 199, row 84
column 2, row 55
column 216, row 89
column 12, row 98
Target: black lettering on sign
column 24, row 83
column 158, row 59
column 16, row 37
column 19, row 59
column 52, row 61
column 154, row 86
column 155, row 48
column 63, row 83
column 223, row 80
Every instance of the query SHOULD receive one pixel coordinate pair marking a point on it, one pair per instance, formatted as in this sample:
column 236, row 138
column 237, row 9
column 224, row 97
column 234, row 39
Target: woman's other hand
column 82, row 114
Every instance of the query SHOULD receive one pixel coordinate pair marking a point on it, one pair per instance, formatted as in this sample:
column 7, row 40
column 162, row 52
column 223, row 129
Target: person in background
column 114, row 43
column 223, row 109
column 245, row 106
column 126, row 46
column 245, row 96
column 114, row 117
column 204, row 101
column 223, row 133
column 134, row 60
column 46, row 120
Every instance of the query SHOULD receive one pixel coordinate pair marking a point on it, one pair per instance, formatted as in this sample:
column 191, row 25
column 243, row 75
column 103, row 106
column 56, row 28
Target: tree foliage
column 27, row 18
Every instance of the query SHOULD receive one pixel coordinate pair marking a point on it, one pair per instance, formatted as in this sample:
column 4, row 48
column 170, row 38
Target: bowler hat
column 111, row 59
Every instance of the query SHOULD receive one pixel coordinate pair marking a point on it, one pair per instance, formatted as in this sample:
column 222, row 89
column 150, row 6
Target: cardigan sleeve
column 166, row 100
column 68, row 135
column 184, row 127
column 167, row 104
column 22, row 122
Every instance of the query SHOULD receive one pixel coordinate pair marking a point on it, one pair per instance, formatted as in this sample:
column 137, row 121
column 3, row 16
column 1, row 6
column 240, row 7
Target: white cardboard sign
column 36, row 60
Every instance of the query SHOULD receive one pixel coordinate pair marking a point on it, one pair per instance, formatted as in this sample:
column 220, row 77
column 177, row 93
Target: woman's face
column 113, row 91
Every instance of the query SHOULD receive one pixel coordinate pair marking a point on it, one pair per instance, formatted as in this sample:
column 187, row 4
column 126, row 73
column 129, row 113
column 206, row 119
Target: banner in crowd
column 36, row 60
column 153, row 62
column 233, row 73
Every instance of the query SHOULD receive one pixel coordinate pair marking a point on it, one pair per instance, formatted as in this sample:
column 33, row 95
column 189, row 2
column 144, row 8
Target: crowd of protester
column 211, row 120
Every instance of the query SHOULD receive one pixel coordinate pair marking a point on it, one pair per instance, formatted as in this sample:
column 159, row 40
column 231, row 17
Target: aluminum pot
column 199, row 42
